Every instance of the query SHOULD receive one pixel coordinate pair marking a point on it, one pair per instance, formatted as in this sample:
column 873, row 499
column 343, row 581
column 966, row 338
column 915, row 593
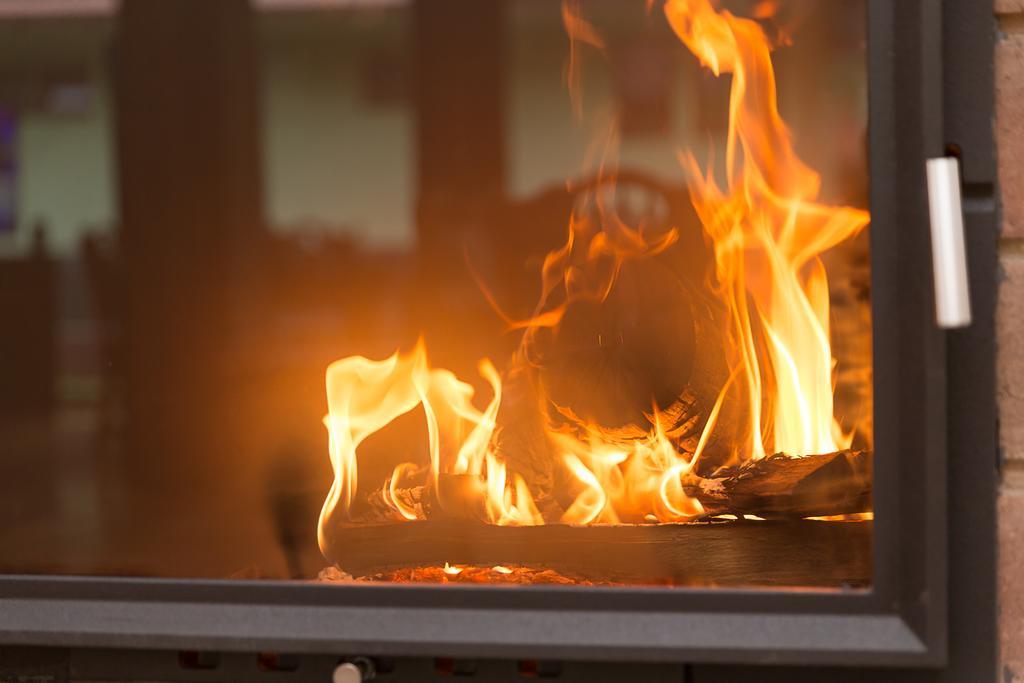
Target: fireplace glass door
column 493, row 293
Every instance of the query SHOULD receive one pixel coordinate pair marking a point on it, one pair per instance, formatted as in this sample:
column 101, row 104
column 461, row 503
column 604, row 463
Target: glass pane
column 582, row 289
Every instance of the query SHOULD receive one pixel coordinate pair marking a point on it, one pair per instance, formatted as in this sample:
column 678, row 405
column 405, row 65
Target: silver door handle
column 949, row 257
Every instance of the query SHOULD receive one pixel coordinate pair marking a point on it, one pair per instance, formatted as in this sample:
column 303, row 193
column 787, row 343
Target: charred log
column 781, row 487
column 776, row 487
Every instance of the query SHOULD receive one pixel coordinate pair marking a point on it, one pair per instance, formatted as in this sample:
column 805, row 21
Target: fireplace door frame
column 900, row 621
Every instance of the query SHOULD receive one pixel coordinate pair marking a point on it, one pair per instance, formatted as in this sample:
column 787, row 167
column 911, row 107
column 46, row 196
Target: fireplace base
column 804, row 553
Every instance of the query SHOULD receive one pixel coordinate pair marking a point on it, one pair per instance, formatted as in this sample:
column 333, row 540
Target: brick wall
column 1010, row 322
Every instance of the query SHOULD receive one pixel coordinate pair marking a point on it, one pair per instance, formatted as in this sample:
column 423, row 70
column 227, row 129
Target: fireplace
column 677, row 365
column 689, row 392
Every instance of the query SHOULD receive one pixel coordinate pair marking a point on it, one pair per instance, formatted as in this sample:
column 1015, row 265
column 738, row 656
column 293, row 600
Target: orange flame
column 768, row 233
column 364, row 396
column 579, row 30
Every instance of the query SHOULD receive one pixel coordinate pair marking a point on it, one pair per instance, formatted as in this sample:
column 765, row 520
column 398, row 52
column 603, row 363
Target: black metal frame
column 922, row 441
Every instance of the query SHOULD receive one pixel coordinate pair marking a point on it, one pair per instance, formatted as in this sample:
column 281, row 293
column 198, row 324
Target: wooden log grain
column 781, row 487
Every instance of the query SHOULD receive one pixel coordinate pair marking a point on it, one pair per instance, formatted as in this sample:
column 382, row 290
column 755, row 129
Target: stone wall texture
column 1009, row 128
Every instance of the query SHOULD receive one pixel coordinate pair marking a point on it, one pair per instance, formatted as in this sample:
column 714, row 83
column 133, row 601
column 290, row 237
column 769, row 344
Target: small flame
column 452, row 571
column 501, row 570
column 579, row 30
column 364, row 396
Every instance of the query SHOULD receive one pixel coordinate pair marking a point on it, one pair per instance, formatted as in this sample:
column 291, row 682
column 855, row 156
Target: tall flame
column 768, row 231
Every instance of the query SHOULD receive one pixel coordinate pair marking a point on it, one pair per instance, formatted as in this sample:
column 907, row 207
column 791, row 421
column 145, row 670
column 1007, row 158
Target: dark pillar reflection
column 188, row 129
column 460, row 111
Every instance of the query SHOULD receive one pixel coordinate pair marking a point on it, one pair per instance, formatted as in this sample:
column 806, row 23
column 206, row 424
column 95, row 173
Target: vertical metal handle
column 949, row 257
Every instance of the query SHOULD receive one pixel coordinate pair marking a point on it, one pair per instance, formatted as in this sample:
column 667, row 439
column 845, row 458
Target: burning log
column 779, row 486
column 776, row 487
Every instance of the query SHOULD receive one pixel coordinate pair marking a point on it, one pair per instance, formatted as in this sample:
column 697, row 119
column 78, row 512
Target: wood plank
column 735, row 553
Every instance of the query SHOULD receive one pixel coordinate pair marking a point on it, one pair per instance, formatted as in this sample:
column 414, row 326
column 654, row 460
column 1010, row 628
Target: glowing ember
column 852, row 517
column 516, row 575
column 767, row 230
